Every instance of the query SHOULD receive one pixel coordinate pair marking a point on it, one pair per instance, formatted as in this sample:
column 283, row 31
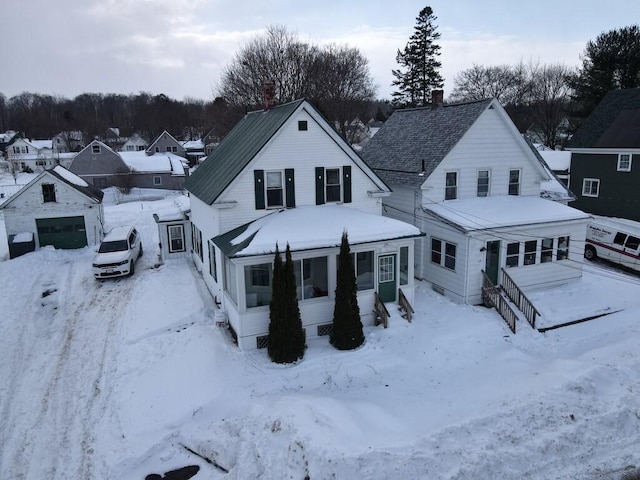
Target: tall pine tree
column 286, row 336
column 346, row 333
column 419, row 73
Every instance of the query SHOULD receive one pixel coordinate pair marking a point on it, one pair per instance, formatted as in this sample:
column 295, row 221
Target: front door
column 387, row 278
column 492, row 261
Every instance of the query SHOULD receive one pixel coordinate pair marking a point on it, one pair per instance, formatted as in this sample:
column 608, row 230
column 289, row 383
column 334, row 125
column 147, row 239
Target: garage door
column 62, row 232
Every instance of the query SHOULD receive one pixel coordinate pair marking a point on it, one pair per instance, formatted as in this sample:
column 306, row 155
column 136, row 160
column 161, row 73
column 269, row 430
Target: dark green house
column 605, row 158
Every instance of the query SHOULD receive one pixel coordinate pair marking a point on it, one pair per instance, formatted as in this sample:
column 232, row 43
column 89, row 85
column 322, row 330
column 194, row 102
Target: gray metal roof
column 614, row 123
column 237, row 149
column 416, row 140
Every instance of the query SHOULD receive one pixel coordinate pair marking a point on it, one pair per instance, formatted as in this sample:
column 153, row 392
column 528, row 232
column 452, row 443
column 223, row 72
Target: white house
column 284, row 176
column 58, row 208
column 464, row 175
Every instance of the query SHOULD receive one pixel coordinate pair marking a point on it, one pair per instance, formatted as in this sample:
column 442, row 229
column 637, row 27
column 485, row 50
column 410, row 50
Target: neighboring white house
column 284, row 176
column 134, row 143
column 464, row 175
column 57, row 208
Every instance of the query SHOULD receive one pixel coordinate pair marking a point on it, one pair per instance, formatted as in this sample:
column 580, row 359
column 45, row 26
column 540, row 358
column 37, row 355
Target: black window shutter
column 258, row 181
column 290, row 186
column 319, row 185
column 346, row 183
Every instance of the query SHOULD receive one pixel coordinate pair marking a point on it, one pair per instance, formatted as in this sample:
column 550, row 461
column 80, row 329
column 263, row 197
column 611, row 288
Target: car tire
column 132, row 268
column 140, row 253
column 590, row 253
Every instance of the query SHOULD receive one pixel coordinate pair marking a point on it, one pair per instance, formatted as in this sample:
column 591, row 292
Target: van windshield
column 115, row 246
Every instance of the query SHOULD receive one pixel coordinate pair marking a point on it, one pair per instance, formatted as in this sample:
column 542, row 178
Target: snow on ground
column 123, row 378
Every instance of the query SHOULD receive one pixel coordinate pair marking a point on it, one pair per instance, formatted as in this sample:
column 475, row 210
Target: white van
column 614, row 239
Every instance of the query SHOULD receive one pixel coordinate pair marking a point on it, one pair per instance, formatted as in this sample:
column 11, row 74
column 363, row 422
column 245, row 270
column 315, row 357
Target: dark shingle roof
column 614, row 123
column 235, row 152
column 413, row 136
column 90, row 191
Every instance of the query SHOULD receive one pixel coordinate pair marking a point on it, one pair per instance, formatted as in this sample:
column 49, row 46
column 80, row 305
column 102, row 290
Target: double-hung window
column 333, row 188
column 95, row 149
column 48, row 192
column 513, row 255
column 443, row 253
column 483, row 183
column 275, row 194
column 624, row 162
column 514, row 182
column 451, row 186
column 176, row 238
column 546, row 251
column 530, row 248
column 563, row 248
column 590, row 187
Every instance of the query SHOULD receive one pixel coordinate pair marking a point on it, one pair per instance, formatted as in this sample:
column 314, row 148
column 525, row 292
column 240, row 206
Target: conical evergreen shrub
column 346, row 333
column 286, row 336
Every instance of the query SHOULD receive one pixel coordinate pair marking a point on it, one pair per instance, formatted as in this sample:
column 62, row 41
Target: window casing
column 274, row 190
column 514, row 182
column 563, row 248
column 513, row 255
column 590, row 187
column 624, row 162
column 48, row 192
column 483, row 183
column 333, row 188
column 443, row 253
column 176, row 238
column 451, row 186
column 530, row 248
column 546, row 250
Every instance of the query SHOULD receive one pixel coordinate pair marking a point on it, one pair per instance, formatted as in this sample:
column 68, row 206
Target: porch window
column 563, row 248
column 48, row 192
column 514, row 182
column 624, row 162
column 483, row 183
column 443, row 253
column 590, row 187
column 404, row 265
column 451, row 186
column 274, row 190
column 176, row 238
column 311, row 277
column 513, row 255
column 546, row 252
column 230, row 279
column 530, row 248
column 363, row 266
column 213, row 270
column 257, row 284
column 332, row 184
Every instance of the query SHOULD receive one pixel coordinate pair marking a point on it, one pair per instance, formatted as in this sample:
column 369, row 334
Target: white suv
column 118, row 252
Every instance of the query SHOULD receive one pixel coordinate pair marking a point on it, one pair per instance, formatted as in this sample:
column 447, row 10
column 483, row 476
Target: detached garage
column 58, row 208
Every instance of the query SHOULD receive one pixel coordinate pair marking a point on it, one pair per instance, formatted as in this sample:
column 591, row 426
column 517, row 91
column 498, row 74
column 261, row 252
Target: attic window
column 302, row 125
column 48, row 192
column 95, row 149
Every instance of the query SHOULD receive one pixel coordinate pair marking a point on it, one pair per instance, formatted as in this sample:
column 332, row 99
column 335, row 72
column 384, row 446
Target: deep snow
column 112, row 380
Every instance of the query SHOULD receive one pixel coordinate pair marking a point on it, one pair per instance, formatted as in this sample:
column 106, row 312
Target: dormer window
column 624, row 162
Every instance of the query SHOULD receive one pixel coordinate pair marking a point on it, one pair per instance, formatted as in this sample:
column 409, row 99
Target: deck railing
column 518, row 297
column 491, row 296
column 380, row 312
column 405, row 306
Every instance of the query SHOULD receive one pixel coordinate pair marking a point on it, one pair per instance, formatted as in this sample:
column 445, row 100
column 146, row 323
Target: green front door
column 387, row 278
column 62, row 232
column 492, row 261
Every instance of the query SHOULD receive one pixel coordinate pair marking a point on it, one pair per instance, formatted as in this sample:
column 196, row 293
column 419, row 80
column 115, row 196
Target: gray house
column 166, row 143
column 605, row 156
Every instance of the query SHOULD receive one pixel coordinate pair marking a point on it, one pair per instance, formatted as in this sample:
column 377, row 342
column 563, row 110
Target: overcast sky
column 179, row 47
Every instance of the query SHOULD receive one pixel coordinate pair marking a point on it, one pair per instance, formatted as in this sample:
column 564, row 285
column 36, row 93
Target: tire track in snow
column 75, row 389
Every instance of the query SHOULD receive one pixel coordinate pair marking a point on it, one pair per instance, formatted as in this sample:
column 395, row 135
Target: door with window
column 387, row 283
column 492, row 261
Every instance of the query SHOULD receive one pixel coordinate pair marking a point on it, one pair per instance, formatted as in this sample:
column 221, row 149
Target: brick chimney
column 269, row 94
column 437, row 98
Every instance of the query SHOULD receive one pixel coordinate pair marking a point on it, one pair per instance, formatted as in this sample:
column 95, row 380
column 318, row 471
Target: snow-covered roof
column 40, row 144
column 181, row 206
column 69, row 176
column 163, row 162
column 503, row 211
column 557, row 160
column 193, row 144
column 310, row 227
